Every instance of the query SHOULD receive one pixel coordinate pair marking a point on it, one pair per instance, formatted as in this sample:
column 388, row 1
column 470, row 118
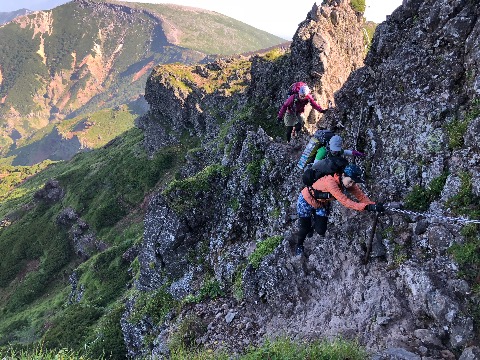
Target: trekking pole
column 391, row 206
column 370, row 240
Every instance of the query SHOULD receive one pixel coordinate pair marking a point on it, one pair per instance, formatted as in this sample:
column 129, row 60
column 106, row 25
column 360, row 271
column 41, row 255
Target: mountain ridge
column 63, row 70
column 10, row 15
column 177, row 238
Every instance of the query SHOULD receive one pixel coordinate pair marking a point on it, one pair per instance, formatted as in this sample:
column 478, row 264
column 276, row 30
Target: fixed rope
column 461, row 220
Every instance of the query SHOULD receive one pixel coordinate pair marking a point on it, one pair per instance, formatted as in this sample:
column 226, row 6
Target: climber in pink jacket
column 292, row 110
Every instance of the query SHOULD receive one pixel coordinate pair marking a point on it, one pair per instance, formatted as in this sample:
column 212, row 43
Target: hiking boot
column 299, row 250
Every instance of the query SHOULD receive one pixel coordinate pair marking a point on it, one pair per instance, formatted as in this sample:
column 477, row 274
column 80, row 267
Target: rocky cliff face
column 413, row 108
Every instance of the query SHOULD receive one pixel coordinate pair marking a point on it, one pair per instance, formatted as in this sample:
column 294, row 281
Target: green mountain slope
column 194, row 28
column 81, row 222
column 88, row 55
column 62, row 140
column 100, row 208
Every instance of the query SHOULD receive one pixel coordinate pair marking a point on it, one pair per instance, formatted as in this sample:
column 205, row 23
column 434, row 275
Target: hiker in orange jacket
column 315, row 201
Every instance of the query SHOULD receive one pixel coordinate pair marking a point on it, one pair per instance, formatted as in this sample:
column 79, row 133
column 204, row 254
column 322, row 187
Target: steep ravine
column 404, row 107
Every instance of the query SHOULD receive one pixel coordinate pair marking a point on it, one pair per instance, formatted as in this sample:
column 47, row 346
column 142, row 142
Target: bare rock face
column 414, row 84
column 420, row 80
column 327, row 47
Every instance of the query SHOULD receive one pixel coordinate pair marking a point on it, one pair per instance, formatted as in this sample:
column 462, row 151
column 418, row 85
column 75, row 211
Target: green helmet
column 354, row 172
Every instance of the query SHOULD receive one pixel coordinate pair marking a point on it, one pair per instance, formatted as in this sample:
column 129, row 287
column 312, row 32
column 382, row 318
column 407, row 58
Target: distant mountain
column 9, row 16
column 33, row 5
column 86, row 55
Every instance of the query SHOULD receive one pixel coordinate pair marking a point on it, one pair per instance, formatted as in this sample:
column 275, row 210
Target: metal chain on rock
column 427, row 215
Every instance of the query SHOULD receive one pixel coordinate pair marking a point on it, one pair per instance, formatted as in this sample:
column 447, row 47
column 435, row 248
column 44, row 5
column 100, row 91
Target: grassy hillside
column 107, row 191
column 62, row 140
column 106, row 188
column 195, row 28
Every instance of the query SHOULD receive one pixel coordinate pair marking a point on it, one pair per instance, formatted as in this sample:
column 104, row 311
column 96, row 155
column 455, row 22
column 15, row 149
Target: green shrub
column 465, row 202
column 107, row 340
column 417, row 199
column 263, row 249
column 105, row 276
column 211, row 289
column 183, row 195
column 190, row 329
column 72, row 328
column 283, row 349
column 35, row 245
column 238, row 282
column 273, row 54
column 254, row 169
column 457, row 128
column 259, row 115
column 156, row 305
column 358, row 5
column 420, row 198
column 14, row 175
column 108, row 214
column 467, row 255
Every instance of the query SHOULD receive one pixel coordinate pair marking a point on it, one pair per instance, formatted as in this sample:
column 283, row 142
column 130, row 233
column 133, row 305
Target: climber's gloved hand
column 378, row 207
column 358, row 153
column 279, row 120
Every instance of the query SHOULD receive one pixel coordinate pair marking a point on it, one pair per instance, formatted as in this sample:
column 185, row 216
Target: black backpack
column 323, row 136
column 328, row 166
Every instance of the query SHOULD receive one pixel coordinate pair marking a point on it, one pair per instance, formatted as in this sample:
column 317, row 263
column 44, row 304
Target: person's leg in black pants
column 320, row 223
column 304, row 227
column 298, row 127
column 289, row 133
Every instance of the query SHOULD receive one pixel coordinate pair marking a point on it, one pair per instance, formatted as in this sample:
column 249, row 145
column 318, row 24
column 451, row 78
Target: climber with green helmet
column 292, row 110
column 313, row 201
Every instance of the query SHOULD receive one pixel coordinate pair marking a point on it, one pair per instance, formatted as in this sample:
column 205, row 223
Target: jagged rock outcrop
column 419, row 81
column 84, row 241
column 327, row 47
column 50, row 193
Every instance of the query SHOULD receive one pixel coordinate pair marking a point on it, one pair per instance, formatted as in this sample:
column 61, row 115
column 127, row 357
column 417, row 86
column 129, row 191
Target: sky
column 268, row 15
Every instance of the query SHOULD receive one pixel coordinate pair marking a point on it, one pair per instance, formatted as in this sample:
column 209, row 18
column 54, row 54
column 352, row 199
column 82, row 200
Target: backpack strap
column 317, row 194
column 293, row 106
